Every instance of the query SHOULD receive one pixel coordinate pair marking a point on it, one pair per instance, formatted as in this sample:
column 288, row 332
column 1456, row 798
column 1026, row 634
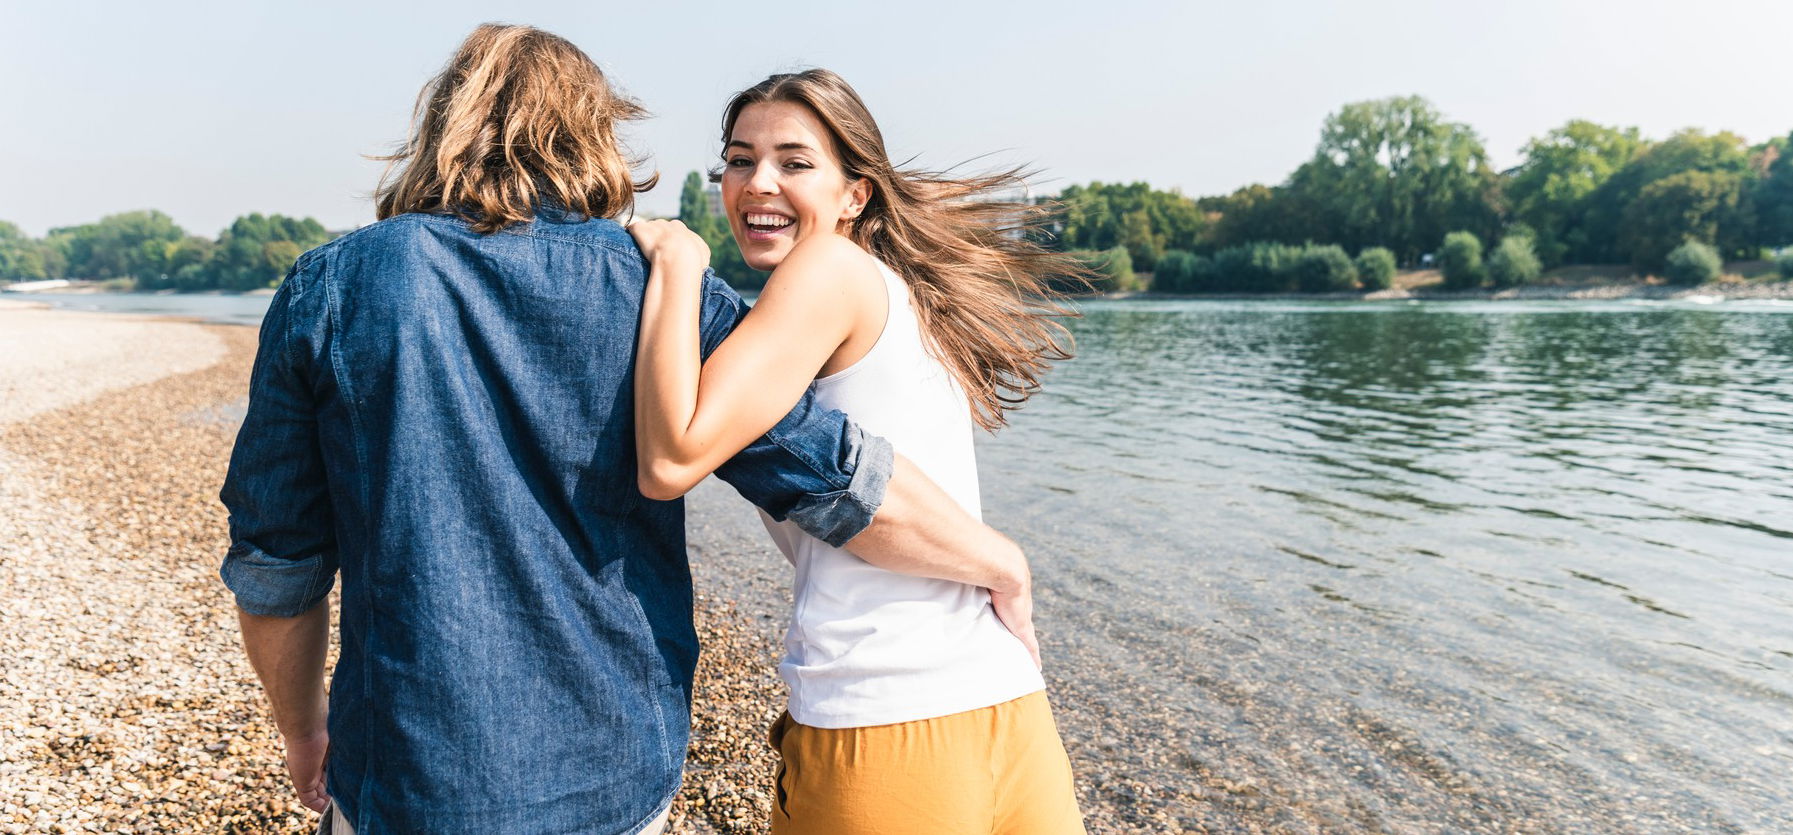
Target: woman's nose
column 764, row 179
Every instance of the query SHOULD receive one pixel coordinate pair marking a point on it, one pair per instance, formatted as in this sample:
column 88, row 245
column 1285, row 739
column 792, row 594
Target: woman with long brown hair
column 916, row 305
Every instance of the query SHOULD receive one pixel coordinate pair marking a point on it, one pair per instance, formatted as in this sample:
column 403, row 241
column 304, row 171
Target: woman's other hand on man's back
column 1015, row 610
column 672, row 246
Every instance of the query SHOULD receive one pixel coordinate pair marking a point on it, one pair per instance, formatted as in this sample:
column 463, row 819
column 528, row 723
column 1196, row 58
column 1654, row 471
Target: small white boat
column 34, row 286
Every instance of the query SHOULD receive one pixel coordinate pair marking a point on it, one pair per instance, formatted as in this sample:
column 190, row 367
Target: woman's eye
column 798, row 165
column 739, row 162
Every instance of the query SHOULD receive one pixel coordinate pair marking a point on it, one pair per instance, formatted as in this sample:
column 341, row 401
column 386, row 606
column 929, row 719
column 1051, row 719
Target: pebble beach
column 126, row 704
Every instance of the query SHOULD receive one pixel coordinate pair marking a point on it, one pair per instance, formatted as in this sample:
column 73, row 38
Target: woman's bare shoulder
column 826, row 262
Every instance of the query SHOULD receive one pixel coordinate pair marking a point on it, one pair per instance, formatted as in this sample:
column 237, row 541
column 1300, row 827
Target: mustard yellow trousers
column 999, row 770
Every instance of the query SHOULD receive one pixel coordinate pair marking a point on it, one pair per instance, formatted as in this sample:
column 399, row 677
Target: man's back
column 447, row 416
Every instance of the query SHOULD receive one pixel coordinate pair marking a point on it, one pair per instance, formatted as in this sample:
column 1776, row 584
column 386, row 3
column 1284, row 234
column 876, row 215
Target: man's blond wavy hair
column 518, row 119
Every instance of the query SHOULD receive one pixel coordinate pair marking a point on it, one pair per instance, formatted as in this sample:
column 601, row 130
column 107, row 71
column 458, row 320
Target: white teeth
column 768, row 220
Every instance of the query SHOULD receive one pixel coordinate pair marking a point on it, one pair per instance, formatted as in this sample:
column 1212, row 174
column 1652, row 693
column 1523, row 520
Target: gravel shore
column 126, row 704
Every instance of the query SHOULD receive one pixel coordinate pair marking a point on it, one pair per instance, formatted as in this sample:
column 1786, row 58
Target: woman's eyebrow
column 782, row 146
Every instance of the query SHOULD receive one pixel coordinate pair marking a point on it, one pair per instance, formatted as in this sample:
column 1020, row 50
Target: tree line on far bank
column 1393, row 175
column 146, row 250
column 1389, row 180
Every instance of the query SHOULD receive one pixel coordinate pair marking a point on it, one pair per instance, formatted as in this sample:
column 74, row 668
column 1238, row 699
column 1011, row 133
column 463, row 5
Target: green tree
column 1460, row 259
column 725, row 256
column 1376, row 268
column 1690, row 205
column 694, row 207
column 126, row 245
column 1324, row 269
column 1513, row 262
column 1180, row 272
column 1774, row 196
column 1142, row 245
column 1784, row 264
column 187, row 256
column 1145, row 221
column 1259, row 267
column 1393, row 172
column 1690, row 150
column 1550, row 189
column 1257, row 213
column 21, row 257
column 1113, row 269
column 256, row 251
column 1693, row 263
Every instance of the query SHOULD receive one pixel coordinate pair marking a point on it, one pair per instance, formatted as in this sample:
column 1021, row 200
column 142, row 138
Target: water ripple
column 1436, row 472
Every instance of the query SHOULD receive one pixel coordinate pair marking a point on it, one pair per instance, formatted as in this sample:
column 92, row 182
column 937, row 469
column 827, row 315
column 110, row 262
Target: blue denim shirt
column 446, row 418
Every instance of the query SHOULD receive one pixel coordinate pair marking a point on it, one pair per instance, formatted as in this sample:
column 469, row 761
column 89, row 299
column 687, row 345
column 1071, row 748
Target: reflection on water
column 1548, row 545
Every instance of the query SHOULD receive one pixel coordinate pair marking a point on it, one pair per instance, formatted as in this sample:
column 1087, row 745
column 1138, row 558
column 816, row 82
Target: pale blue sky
column 210, row 110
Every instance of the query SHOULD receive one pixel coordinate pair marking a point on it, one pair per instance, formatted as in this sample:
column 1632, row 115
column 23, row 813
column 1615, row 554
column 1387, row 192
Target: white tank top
column 872, row 647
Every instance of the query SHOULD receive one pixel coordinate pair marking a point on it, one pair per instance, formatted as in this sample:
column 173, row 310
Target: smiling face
column 782, row 181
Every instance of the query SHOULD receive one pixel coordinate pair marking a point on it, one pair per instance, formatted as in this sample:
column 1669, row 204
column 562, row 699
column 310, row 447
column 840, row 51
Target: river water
column 1407, row 567
column 221, row 308
column 1420, row 566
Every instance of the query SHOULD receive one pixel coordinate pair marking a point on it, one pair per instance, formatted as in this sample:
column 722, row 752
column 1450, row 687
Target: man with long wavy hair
column 440, row 410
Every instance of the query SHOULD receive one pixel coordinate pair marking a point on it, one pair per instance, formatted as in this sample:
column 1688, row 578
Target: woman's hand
column 1015, row 610
column 672, row 246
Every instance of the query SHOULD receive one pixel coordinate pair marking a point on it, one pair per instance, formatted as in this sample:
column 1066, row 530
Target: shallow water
column 1460, row 565
column 221, row 308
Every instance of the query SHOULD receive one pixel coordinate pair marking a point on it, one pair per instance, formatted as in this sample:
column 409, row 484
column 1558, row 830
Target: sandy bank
column 125, row 702
column 55, row 359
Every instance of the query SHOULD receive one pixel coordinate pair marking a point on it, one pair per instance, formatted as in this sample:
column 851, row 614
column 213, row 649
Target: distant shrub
column 1376, row 268
column 1230, row 266
column 1181, row 272
column 1324, row 269
column 1514, row 262
column 1693, row 262
column 1257, row 268
column 1113, row 269
column 1264, row 267
column 1460, row 259
column 1785, row 264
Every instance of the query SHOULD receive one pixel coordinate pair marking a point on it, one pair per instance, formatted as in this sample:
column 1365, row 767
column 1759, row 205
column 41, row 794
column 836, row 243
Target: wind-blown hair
column 980, row 283
column 518, row 118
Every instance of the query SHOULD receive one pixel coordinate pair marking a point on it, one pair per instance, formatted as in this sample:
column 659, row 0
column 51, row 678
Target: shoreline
column 1600, row 291
column 87, row 287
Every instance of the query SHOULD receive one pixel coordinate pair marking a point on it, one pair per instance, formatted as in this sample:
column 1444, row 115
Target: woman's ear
column 858, row 195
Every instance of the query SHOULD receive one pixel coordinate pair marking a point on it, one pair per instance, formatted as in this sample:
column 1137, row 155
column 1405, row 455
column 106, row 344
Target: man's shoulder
column 386, row 253
column 597, row 231
column 378, row 233
column 374, row 236
column 401, row 231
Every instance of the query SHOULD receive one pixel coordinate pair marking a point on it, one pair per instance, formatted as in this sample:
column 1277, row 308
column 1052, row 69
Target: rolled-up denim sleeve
column 282, row 559
column 815, row 467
